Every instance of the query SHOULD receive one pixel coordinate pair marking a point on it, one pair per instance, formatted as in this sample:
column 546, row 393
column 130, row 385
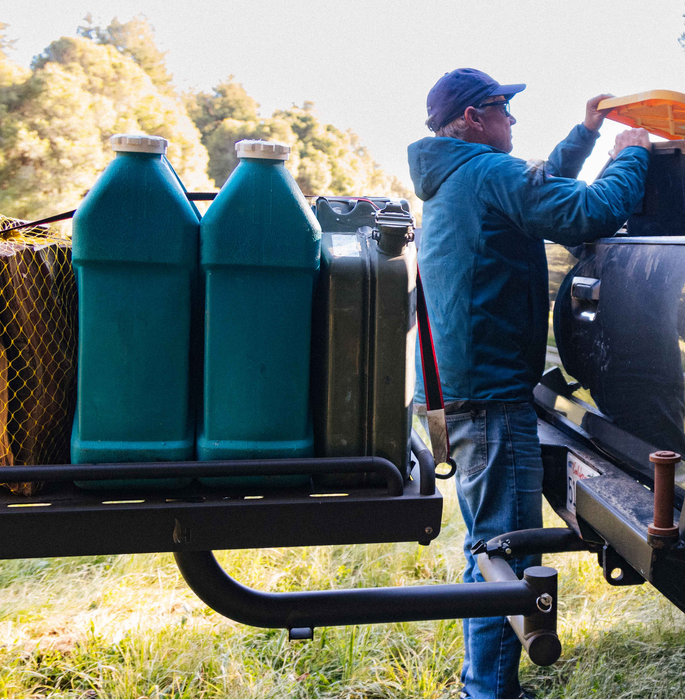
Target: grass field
column 128, row 627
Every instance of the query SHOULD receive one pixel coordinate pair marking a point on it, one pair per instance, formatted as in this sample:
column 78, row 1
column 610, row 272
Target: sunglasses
column 504, row 104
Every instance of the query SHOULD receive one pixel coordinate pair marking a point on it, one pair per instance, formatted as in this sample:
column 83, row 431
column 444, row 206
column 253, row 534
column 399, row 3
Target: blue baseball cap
column 462, row 88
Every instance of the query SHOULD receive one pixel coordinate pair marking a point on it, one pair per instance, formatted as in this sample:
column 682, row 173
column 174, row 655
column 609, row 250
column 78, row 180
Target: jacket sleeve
column 560, row 209
column 567, row 159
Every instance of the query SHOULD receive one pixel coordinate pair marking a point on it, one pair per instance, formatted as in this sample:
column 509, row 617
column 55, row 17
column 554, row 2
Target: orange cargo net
column 38, row 340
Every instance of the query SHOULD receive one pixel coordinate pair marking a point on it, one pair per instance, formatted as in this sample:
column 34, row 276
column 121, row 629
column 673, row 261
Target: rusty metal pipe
column 663, row 530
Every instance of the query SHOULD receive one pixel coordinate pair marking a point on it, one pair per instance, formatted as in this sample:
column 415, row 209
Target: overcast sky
column 368, row 65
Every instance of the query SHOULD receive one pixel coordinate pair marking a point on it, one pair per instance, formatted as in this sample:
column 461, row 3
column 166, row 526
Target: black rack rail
column 64, row 520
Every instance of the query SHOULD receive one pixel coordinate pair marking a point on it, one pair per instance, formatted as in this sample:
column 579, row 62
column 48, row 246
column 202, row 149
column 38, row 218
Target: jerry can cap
column 139, row 143
column 255, row 148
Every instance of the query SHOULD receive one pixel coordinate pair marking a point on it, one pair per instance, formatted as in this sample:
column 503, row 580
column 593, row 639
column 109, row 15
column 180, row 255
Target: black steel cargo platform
column 64, row 520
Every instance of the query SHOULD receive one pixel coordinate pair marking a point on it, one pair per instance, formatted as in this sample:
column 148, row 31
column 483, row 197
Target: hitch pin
column 544, row 603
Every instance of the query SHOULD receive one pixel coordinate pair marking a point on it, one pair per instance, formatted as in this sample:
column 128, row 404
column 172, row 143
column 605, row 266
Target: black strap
column 429, row 363
column 192, row 196
column 40, row 222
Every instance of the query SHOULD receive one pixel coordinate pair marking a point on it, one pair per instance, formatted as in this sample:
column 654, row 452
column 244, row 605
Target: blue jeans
column 499, row 485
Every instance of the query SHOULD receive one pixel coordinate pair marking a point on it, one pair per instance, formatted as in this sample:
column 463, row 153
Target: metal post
column 426, row 464
column 537, row 630
column 663, row 531
column 540, row 628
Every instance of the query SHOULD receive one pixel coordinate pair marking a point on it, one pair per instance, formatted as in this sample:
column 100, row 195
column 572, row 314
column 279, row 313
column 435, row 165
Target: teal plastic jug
column 135, row 254
column 259, row 255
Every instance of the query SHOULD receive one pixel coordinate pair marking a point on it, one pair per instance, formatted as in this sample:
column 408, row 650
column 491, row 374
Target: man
column 482, row 260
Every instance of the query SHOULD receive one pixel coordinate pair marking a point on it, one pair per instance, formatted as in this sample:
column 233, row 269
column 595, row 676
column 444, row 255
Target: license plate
column 576, row 469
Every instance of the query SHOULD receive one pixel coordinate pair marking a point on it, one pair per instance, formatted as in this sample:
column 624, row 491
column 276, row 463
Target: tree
column 10, row 73
column 50, row 145
column 228, row 100
column 56, row 121
column 222, row 139
column 324, row 159
column 5, row 41
column 334, row 162
column 136, row 39
column 54, row 135
column 224, row 117
column 128, row 101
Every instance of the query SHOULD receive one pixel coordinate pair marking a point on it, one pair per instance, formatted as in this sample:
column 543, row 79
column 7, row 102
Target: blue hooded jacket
column 482, row 252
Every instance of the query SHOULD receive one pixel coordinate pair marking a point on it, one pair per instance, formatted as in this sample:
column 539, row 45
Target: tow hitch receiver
column 537, row 631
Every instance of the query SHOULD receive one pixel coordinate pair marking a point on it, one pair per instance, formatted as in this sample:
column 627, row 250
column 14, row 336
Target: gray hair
column 456, row 129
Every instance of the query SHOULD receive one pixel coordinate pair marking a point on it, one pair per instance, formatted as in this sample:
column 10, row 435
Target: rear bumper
column 613, row 510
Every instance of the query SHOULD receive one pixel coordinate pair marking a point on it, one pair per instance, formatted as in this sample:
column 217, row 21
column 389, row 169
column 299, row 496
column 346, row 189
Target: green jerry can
column 259, row 255
column 135, row 253
column 364, row 333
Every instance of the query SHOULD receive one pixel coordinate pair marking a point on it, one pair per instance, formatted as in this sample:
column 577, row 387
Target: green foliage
column 5, row 41
column 324, row 159
column 228, row 100
column 57, row 124
column 136, row 39
column 10, row 73
column 51, row 148
column 331, row 161
column 224, row 117
column 57, row 118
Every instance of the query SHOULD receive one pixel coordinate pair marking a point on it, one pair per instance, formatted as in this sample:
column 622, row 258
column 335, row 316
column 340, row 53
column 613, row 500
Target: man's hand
column 631, row 137
column 593, row 117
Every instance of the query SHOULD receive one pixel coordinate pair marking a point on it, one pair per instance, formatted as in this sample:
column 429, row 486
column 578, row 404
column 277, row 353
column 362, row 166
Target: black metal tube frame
column 540, row 638
column 544, row 540
column 252, row 467
column 426, row 464
column 310, row 609
column 530, row 605
column 538, row 631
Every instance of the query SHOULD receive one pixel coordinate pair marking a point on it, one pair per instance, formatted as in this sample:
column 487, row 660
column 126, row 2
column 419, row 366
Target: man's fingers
column 594, row 102
column 593, row 116
column 631, row 137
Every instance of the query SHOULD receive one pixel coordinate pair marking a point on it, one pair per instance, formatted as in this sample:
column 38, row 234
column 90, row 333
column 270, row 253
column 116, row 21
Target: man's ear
column 473, row 119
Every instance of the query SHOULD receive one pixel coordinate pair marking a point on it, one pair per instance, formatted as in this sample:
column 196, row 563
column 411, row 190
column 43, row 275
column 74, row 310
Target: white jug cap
column 272, row 150
column 139, row 143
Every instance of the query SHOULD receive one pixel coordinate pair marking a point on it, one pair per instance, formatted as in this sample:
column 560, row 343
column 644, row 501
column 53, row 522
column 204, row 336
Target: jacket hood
column 433, row 159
